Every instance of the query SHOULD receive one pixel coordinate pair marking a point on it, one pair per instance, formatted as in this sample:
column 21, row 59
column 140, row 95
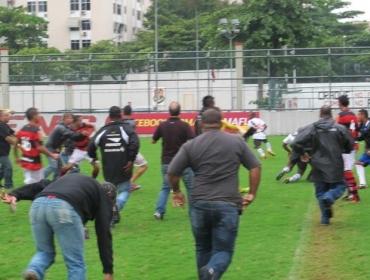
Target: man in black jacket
column 61, row 208
column 326, row 141
column 119, row 145
column 208, row 103
column 57, row 137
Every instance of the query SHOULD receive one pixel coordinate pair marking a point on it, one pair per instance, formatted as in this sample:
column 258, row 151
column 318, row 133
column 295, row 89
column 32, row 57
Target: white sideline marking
column 302, row 242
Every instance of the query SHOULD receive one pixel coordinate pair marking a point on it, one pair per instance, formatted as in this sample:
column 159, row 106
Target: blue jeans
column 49, row 216
column 123, row 190
column 331, row 191
column 55, row 165
column 187, row 177
column 65, row 156
column 6, row 172
column 215, row 227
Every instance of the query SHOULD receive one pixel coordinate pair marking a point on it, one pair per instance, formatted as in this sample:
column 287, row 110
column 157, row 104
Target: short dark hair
column 31, row 112
column 208, row 100
column 211, row 116
column 325, row 111
column 66, row 115
column 364, row 112
column 127, row 110
column 252, row 115
column 343, row 100
column 115, row 112
column 76, row 117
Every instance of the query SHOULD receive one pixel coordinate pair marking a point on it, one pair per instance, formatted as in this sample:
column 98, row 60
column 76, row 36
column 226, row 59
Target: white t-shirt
column 290, row 138
column 259, row 125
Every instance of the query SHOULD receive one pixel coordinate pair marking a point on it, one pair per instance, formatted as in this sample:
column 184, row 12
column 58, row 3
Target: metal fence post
column 33, row 81
column 90, row 85
column 148, row 69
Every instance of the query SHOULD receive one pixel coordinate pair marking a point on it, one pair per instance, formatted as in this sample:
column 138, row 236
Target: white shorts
column 349, row 160
column 140, row 160
column 79, row 156
column 32, row 176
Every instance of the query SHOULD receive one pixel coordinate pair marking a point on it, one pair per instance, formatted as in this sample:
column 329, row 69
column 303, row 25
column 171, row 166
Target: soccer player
column 208, row 103
column 294, row 159
column 140, row 160
column 80, row 151
column 364, row 160
column 259, row 136
column 29, row 140
column 349, row 120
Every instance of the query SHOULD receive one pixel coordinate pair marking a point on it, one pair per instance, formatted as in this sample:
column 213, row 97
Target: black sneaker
column 328, row 207
column 206, row 273
column 116, row 216
column 286, row 181
column 29, row 275
column 280, row 175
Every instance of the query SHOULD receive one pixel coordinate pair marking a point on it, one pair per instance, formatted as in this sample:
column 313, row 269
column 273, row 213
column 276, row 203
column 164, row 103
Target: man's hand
column 9, row 199
column 128, row 167
column 108, row 277
column 368, row 153
column 55, row 156
column 178, row 200
column 305, row 157
column 85, row 133
column 247, row 200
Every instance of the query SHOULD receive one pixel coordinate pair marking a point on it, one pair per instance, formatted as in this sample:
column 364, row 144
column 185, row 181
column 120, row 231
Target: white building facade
column 75, row 24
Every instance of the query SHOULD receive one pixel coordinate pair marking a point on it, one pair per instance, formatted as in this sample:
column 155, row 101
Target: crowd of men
column 208, row 162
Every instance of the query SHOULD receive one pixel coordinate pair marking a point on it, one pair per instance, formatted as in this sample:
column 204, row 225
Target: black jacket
column 326, row 141
column 365, row 135
column 87, row 198
column 118, row 144
column 59, row 134
column 197, row 129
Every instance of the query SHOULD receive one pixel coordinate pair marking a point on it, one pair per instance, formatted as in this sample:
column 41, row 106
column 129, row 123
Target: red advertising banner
column 146, row 123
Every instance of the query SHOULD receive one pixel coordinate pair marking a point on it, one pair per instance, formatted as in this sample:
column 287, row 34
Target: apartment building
column 76, row 24
column 6, row 3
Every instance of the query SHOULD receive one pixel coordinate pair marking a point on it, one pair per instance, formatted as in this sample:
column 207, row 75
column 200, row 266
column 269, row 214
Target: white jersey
column 290, row 138
column 260, row 127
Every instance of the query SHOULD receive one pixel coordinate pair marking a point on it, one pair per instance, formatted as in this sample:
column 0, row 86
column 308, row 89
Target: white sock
column 286, row 169
column 295, row 177
column 361, row 174
column 261, row 152
column 268, row 146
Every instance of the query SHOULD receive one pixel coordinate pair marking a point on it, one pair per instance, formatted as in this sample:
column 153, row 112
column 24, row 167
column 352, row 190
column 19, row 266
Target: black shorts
column 257, row 142
column 296, row 159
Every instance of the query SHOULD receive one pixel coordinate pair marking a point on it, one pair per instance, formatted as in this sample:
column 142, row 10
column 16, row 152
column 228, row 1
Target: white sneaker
column 158, row 216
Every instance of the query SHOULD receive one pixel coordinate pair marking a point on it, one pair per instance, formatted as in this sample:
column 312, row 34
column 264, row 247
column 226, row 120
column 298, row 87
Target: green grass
column 280, row 236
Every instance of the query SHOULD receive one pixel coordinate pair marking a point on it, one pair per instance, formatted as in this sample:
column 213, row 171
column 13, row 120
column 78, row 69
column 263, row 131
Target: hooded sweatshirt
column 326, row 141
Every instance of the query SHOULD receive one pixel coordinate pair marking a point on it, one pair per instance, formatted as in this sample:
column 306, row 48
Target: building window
column 138, row 15
column 86, row 43
column 31, row 6
column 43, row 8
column 125, row 10
column 75, row 5
column 85, row 5
column 133, row 12
column 119, row 9
column 114, row 8
column 85, row 24
column 75, row 44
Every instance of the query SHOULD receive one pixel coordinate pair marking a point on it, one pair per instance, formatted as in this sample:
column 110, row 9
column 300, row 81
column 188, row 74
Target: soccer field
column 280, row 236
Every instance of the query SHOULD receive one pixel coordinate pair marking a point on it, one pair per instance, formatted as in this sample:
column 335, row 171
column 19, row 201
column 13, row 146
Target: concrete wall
column 283, row 123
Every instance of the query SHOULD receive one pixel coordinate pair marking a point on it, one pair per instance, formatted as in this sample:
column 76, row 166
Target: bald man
column 174, row 133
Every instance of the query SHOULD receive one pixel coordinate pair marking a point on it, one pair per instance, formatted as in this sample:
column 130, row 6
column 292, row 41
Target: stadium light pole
column 156, row 47
column 230, row 30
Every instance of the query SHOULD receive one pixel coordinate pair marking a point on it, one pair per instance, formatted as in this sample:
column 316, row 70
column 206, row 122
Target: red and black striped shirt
column 82, row 144
column 30, row 138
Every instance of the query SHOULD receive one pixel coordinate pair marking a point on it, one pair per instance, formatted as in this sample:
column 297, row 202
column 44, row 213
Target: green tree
column 20, row 29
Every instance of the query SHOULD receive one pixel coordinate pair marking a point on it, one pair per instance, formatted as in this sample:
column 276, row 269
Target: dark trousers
column 215, row 227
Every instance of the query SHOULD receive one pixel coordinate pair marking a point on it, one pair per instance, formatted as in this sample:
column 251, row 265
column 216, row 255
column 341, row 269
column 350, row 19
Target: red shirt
column 349, row 120
column 82, row 144
column 30, row 138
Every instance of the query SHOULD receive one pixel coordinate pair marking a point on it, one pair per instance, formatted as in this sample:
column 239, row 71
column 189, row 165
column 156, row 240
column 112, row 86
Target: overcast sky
column 361, row 5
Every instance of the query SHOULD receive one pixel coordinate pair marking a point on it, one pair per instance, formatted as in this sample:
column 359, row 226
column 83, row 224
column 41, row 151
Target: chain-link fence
column 272, row 79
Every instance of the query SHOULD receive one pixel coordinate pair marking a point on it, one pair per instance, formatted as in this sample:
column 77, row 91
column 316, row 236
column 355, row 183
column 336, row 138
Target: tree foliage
column 21, row 30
